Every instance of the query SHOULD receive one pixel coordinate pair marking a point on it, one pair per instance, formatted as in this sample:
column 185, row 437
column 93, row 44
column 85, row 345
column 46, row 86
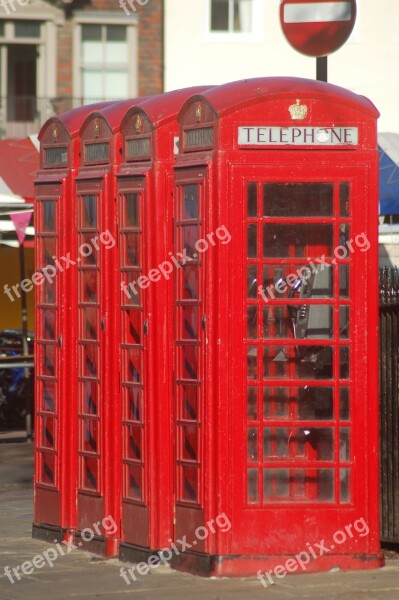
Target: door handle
column 203, row 322
column 145, row 327
column 59, row 341
column 103, row 324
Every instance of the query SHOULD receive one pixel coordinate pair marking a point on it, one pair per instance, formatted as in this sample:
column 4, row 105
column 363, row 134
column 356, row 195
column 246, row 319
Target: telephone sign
column 317, row 27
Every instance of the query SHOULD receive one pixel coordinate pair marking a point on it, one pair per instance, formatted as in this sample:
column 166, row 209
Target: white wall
column 368, row 64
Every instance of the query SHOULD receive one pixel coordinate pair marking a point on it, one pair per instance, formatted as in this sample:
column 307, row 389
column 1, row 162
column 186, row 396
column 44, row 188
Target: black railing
column 389, row 404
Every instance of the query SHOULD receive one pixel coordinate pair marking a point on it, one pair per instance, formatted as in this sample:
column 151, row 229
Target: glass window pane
column 344, row 281
column 189, row 484
column 90, row 435
column 134, row 442
column 252, row 241
column 220, row 15
column 89, row 389
column 276, row 402
column 189, row 320
column 88, row 285
column 189, row 280
column 90, row 360
column 252, row 365
column 90, row 473
column 116, row 33
column 189, row 362
column 131, row 247
column 48, row 395
column 92, row 85
column 190, row 202
column 131, row 216
column 48, row 431
column 115, row 85
column 297, row 281
column 89, row 328
column 303, row 362
column 133, row 398
column 344, row 404
column 344, row 322
column 344, row 199
column 252, row 403
column 311, row 444
column 116, row 53
column 132, row 327
column 1, row 28
column 48, row 220
column 252, row 454
column 298, row 485
column 298, row 199
column 344, row 475
column 91, row 33
column 297, row 240
column 315, row 403
column 252, row 486
column 252, row 281
column 252, row 322
column 252, row 199
column 189, row 399
column 29, row 29
column 189, row 450
column 89, row 212
column 134, row 481
column 49, row 324
column 344, row 367
column 47, row 471
column 133, row 370
column 344, row 444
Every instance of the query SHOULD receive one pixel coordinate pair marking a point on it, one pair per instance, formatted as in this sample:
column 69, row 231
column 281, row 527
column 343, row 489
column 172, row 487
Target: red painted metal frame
column 264, row 536
column 56, row 511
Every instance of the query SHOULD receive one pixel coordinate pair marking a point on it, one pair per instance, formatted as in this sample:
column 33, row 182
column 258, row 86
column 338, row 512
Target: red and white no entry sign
column 317, row 27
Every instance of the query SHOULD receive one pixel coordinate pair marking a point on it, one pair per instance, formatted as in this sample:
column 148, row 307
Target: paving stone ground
column 83, row 576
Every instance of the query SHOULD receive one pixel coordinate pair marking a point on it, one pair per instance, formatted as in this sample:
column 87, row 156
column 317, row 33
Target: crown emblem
column 96, row 129
column 298, row 111
column 138, row 125
column 198, row 113
column 54, row 134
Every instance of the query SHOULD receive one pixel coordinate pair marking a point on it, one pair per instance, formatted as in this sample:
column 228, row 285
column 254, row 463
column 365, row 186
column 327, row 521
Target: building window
column 104, row 62
column 232, row 16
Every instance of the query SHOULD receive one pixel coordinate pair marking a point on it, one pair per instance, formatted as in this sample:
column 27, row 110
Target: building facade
column 61, row 54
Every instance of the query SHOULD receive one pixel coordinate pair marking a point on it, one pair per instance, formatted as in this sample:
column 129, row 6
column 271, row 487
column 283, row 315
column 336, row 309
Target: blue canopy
column 388, row 148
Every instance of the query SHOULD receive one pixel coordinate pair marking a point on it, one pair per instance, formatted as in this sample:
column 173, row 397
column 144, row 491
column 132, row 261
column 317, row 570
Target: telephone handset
column 312, row 320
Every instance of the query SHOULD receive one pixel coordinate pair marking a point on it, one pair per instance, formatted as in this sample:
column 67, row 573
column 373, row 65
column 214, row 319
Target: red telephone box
column 145, row 216
column 55, row 344
column 98, row 412
column 275, row 307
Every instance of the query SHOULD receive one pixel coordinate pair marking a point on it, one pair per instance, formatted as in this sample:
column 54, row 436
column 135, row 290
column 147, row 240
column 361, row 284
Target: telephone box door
column 304, row 400
column 190, row 330
column 133, row 264
column 90, row 374
column 48, row 339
